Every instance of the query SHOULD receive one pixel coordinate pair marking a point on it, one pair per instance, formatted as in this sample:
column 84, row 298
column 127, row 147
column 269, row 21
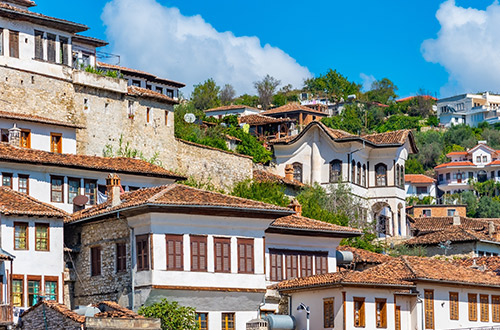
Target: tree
column 267, row 192
column 488, row 208
column 250, row 146
column 266, row 89
column 413, row 166
column 285, row 95
column 470, row 199
column 430, row 145
column 332, row 85
column 245, row 99
column 206, row 95
column 227, row 94
column 172, row 315
column 349, row 120
column 397, row 122
column 460, row 134
column 382, row 91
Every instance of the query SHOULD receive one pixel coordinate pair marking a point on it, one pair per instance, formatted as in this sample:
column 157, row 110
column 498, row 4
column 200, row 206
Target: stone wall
column 92, row 323
column 110, row 285
column 34, row 320
column 220, row 168
column 457, row 249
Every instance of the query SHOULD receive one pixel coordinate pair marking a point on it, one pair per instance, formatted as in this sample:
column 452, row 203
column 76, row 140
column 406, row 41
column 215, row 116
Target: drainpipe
column 420, row 300
column 132, row 259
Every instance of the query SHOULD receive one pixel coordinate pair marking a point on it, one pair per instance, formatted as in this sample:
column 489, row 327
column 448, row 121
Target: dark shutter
column 198, row 253
column 51, row 47
column 245, row 256
column 276, row 266
column 175, row 254
column 121, row 257
column 14, row 44
column 142, row 245
column 38, row 45
column 222, row 247
column 95, row 256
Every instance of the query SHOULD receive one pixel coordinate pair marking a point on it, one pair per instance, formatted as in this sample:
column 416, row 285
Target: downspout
column 132, row 259
column 419, row 300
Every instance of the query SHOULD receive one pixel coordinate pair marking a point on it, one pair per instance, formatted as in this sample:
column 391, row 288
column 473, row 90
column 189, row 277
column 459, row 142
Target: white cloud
column 367, row 81
column 468, row 47
column 160, row 40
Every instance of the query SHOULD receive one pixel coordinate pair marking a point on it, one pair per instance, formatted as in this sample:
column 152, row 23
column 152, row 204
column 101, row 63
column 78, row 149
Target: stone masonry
column 36, row 320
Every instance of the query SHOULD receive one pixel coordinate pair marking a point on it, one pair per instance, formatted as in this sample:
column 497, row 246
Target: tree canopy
column 206, row 95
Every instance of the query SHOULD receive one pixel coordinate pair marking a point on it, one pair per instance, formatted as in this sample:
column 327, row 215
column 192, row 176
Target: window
column 454, row 306
column 364, row 176
column 56, row 189
column 448, row 177
column 228, row 321
column 202, row 321
column 159, row 89
column 328, row 313
column 421, row 190
column 381, row 175
column 472, row 306
column 166, row 118
column 63, row 50
column 471, row 175
column 484, row 300
column 33, row 291
column 451, row 212
column 353, row 171
column 358, row 178
column 485, row 159
column 170, row 93
column 478, row 159
column 495, row 308
column 381, row 313
column 51, row 288
column 51, row 47
column 335, row 170
column 4, row 132
column 397, row 317
column 276, row 259
column 23, row 184
column 359, row 312
column 429, row 309
column 198, row 253
column 297, row 171
column 291, row 263
column 402, row 176
column 38, row 45
column 7, row 180
column 492, row 174
column 136, row 83
column 396, row 175
column 18, row 291
column 245, row 255
column 148, row 86
column 121, row 257
column 95, row 261
column 73, row 189
column 321, row 264
column 90, row 190
column 142, row 251
column 174, row 252
column 20, row 236
column 426, row 213
column 56, row 143
column 306, row 266
column 14, row 44
column 222, row 247
column 42, row 237
column 147, row 114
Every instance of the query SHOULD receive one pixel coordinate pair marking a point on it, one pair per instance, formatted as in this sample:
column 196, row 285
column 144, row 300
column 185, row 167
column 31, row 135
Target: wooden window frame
column 121, row 257
column 223, row 241
column 175, row 253
column 52, row 190
column 85, row 181
column 142, row 252
column 58, row 149
column 454, row 306
column 199, row 324
column 16, row 277
column 380, row 314
column 276, row 265
column 243, row 268
column 472, row 306
column 335, row 173
column 495, row 308
column 33, row 278
column 18, row 223
column 397, row 317
column 14, row 41
column 51, row 279
column 95, row 263
column 360, row 312
column 321, row 263
column 23, row 176
column 484, row 301
column 382, row 177
column 71, row 179
column 225, row 319
column 289, row 266
column 429, row 309
column 298, row 171
column 329, row 313
column 306, row 260
column 46, row 225
column 28, row 139
column 8, row 175
column 201, row 243
column 148, row 115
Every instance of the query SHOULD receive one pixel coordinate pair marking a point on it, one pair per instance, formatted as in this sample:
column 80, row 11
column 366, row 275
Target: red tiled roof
column 302, row 223
column 37, row 119
column 258, row 119
column 141, row 73
column 457, row 153
column 9, row 153
column 418, row 178
column 453, row 164
column 452, row 234
column 232, row 107
column 114, row 310
column 143, row 92
column 486, row 264
column 15, row 203
column 60, row 308
column 364, row 256
column 291, row 107
column 173, row 195
column 265, row 176
column 495, row 162
column 424, row 225
column 26, row 3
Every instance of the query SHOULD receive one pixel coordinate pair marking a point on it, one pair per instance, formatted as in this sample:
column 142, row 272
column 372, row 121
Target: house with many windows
column 420, row 186
column 469, row 109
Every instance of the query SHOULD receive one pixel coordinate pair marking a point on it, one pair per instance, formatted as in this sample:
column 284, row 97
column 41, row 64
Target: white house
column 371, row 165
column 469, row 109
column 232, row 110
column 404, row 293
column 419, row 185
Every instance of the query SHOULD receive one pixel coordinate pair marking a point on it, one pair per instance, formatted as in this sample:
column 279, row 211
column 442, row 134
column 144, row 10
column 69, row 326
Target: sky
column 440, row 47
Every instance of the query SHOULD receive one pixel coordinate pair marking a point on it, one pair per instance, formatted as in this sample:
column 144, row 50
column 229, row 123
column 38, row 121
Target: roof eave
column 454, row 282
column 308, row 232
column 45, row 20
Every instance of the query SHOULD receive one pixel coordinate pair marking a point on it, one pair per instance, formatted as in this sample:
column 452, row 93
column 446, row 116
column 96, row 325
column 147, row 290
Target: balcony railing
column 6, row 313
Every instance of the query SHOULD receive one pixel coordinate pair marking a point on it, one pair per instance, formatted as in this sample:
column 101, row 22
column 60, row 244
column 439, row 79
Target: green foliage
column 268, row 192
column 349, row 120
column 405, row 250
column 470, row 199
column 106, row 73
column 430, row 145
column 414, row 200
column 205, row 185
column 246, row 99
column 461, row 134
column 285, row 95
column 488, row 208
column 413, row 166
column 397, row 122
column 250, row 146
column 382, row 91
column 332, row 85
column 206, row 95
column 172, row 315
column 365, row 242
column 125, row 150
column 432, row 121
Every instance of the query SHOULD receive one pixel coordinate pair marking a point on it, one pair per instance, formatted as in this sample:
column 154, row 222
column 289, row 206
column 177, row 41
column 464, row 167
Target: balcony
column 101, row 82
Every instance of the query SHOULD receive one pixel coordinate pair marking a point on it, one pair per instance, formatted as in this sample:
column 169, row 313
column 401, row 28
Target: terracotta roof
column 419, row 178
column 495, row 162
column 452, row 234
column 401, row 271
column 37, row 119
column 457, row 153
column 364, row 256
column 173, row 195
column 453, row 164
column 258, row 119
column 265, row 176
column 296, row 222
column 143, row 92
column 114, row 310
column 486, row 264
column 26, row 3
column 292, row 107
column 141, row 73
column 133, row 166
column 15, row 203
column 65, row 311
column 424, row 225
column 232, row 107
column 394, row 137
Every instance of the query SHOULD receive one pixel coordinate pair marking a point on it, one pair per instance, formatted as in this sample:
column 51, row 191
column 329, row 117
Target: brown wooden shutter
column 495, row 308
column 14, row 44
column 222, row 247
column 95, row 255
column 484, row 299
column 51, row 47
column 381, row 313
column 306, row 267
column 398, row 317
column 121, row 257
column 429, row 309
column 142, row 251
column 38, row 45
column 245, row 256
column 291, row 266
column 472, row 297
column 198, row 253
column 454, row 306
column 321, row 264
column 276, row 261
column 175, row 253
column 328, row 313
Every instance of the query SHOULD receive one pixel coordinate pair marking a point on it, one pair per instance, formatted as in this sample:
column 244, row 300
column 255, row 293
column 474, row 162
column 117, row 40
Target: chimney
column 295, row 205
column 15, row 136
column 113, row 184
column 456, row 219
column 491, row 229
column 289, row 172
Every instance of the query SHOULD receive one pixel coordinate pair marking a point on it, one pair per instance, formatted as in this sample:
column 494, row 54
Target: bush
column 267, row 192
column 172, row 315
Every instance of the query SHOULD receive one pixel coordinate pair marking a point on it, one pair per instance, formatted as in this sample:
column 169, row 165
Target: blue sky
column 373, row 39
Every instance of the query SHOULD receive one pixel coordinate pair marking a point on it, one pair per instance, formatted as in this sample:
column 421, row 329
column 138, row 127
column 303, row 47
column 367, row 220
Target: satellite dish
column 189, row 118
column 434, row 107
column 80, row 200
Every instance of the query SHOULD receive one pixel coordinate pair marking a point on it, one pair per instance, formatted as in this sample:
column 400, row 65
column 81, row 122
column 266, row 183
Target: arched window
column 335, row 171
column 402, row 176
column 297, row 171
column 482, row 176
column 358, row 178
column 353, row 171
column 364, row 176
column 381, row 175
column 396, row 176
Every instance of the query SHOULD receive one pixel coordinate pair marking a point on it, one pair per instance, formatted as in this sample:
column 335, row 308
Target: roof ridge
column 407, row 264
column 168, row 187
